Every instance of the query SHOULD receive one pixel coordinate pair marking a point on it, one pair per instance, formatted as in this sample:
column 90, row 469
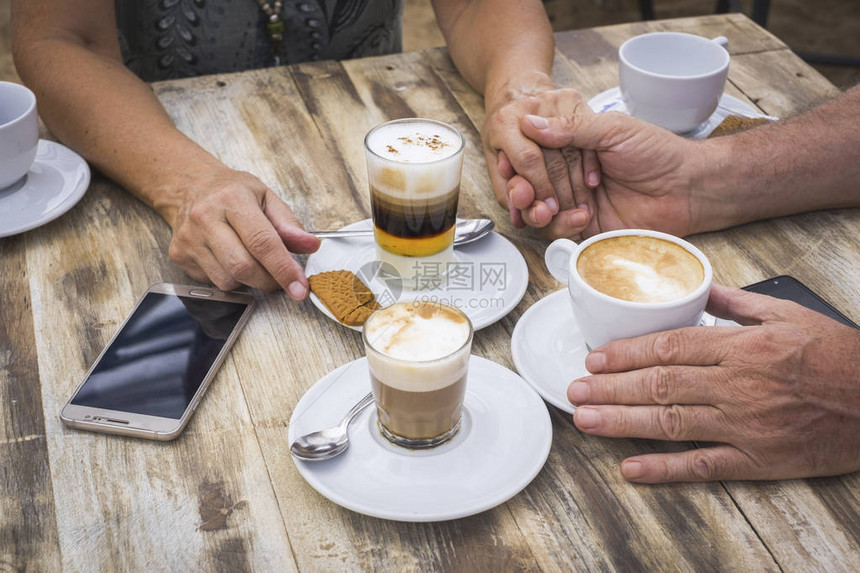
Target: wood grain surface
column 226, row 496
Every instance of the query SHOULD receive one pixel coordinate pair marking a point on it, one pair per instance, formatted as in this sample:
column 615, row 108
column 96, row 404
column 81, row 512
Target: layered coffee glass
column 418, row 356
column 413, row 169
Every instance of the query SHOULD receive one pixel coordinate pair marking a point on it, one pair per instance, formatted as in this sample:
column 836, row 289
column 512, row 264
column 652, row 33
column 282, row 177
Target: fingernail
column 577, row 219
column 578, row 392
column 297, row 290
column 592, row 179
column 552, row 203
column 587, row 418
column 631, row 470
column 537, row 121
column 595, row 362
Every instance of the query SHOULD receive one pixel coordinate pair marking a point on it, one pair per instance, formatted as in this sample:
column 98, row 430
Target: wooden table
column 227, row 496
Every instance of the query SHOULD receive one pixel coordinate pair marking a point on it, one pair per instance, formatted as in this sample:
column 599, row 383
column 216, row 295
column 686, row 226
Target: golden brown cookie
column 735, row 123
column 346, row 297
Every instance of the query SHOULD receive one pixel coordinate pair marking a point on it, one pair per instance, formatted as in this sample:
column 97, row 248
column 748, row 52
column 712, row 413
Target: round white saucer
column 610, row 100
column 57, row 180
column 548, row 349
column 491, row 279
column 502, row 444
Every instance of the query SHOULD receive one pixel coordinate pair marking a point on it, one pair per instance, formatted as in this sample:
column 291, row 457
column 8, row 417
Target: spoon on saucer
column 328, row 443
column 467, row 230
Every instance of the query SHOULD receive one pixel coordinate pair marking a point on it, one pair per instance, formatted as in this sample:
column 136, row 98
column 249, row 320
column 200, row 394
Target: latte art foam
column 416, row 346
column 640, row 269
column 418, row 332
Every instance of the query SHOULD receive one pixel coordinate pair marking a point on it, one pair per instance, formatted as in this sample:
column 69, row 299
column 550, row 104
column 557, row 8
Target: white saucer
column 493, row 281
column 548, row 350
column 502, row 444
column 57, row 180
column 610, row 100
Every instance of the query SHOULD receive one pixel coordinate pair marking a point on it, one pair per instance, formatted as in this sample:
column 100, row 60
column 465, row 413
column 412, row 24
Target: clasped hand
column 778, row 398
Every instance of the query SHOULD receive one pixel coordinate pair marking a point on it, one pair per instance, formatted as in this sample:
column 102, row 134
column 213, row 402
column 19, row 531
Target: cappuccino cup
column 631, row 282
column 418, row 356
column 671, row 79
column 19, row 132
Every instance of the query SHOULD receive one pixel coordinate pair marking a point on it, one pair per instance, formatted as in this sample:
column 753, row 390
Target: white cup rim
column 726, row 57
column 447, row 126
column 21, row 117
column 689, row 247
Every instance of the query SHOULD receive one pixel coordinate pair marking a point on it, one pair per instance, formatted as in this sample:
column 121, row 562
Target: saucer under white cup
column 610, row 100
column 489, row 278
column 19, row 132
column 672, row 79
column 502, row 445
column 549, row 351
column 55, row 182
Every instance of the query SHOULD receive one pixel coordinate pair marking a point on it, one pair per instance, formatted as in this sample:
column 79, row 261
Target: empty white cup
column 671, row 79
column 19, row 132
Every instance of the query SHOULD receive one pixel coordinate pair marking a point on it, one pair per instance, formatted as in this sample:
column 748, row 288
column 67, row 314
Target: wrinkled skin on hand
column 778, row 398
column 544, row 188
column 644, row 181
column 230, row 229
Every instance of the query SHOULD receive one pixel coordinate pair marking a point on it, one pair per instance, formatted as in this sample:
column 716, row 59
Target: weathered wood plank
column 28, row 526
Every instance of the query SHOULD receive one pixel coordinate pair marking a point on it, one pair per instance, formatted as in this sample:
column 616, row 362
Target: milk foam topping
column 412, row 343
column 414, row 159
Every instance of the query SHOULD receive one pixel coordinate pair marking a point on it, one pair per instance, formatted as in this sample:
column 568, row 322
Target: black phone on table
column 150, row 377
column 789, row 288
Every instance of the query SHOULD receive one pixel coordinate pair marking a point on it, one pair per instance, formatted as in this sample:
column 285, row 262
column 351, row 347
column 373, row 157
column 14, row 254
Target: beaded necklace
column 275, row 28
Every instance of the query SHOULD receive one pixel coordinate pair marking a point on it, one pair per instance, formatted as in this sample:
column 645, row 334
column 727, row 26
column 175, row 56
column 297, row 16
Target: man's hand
column 540, row 187
column 230, row 229
column 645, row 181
column 780, row 397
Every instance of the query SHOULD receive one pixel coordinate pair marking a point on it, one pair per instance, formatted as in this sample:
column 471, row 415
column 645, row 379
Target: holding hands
column 541, row 187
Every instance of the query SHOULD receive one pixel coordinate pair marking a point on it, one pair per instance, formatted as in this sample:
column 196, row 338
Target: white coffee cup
column 672, row 79
column 19, row 132
column 602, row 318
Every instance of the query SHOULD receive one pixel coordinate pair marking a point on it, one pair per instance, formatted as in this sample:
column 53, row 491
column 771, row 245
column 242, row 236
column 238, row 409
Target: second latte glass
column 413, row 168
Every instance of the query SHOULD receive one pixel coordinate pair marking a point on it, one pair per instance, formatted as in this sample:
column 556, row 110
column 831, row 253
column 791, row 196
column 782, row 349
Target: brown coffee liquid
column 412, row 227
column 429, row 414
column 640, row 269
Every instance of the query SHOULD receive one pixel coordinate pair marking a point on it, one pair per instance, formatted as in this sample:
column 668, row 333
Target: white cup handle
column 721, row 40
column 557, row 258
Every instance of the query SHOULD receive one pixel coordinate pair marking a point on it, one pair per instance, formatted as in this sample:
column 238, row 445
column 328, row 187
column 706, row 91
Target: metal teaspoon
column 467, row 230
column 328, row 443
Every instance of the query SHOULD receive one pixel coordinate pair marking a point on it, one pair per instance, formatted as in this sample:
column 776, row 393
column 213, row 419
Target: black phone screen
column 158, row 360
column 789, row 288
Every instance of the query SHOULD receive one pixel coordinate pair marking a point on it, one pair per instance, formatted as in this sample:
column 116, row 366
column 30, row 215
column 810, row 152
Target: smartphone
column 149, row 379
column 789, row 288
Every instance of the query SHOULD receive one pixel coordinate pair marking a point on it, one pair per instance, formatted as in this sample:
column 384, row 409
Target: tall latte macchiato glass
column 413, row 168
column 631, row 282
column 418, row 355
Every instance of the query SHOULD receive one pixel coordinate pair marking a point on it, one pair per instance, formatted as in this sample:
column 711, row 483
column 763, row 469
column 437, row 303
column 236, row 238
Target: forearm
column 808, row 162
column 94, row 104
column 503, row 48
